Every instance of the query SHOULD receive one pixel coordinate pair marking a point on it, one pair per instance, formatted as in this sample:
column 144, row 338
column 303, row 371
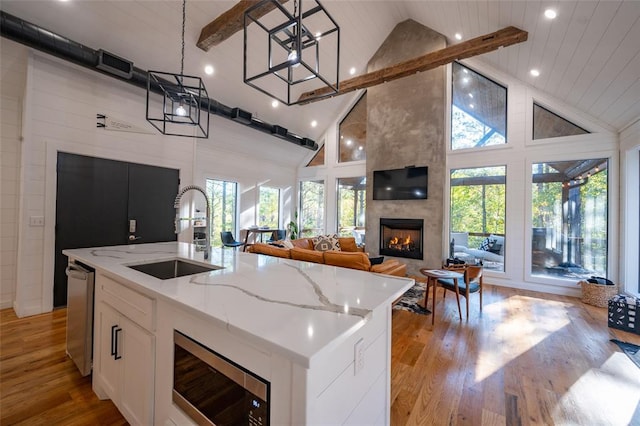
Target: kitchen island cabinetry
column 124, row 352
column 317, row 336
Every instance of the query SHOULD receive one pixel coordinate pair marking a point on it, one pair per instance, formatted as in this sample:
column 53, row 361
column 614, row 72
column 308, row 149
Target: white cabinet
column 124, row 357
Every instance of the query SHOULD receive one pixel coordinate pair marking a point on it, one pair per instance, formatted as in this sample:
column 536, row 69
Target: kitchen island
column 318, row 336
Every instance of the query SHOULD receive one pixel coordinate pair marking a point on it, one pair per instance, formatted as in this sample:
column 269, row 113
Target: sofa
column 491, row 249
column 348, row 255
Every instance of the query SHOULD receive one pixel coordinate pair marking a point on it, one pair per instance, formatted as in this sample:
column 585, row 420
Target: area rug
column 632, row 351
column 412, row 300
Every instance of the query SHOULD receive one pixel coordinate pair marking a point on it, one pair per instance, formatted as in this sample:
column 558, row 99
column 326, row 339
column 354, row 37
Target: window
column 352, row 194
column 569, row 218
column 223, row 197
column 353, row 133
column 318, row 158
column 311, row 208
column 478, row 110
column 478, row 200
column 269, row 207
column 548, row 124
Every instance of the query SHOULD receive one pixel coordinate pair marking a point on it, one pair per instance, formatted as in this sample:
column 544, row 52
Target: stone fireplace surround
column 406, row 126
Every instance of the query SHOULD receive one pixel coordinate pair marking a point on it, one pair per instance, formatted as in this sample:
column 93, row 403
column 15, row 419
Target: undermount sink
column 174, row 268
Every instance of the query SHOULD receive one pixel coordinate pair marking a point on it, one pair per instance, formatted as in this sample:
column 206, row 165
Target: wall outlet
column 36, row 220
column 358, row 356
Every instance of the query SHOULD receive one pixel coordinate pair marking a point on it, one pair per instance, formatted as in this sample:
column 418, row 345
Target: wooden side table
column 433, row 275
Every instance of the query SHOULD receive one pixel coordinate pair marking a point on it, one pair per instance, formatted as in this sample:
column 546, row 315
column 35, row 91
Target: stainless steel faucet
column 176, row 205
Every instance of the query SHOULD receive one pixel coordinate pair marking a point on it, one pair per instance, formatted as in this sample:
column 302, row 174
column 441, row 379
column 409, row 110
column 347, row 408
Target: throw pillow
column 326, row 243
column 376, row 260
column 282, row 243
column 496, row 247
column 486, row 244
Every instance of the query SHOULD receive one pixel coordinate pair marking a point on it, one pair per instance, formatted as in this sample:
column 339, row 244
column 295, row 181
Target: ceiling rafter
column 466, row 49
column 230, row 22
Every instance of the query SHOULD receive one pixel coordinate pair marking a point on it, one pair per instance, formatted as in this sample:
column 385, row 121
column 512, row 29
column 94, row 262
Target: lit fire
column 399, row 242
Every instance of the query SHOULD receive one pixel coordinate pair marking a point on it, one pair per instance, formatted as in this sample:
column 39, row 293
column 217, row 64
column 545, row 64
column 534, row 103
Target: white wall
column 13, row 78
column 630, row 208
column 61, row 101
column 61, row 105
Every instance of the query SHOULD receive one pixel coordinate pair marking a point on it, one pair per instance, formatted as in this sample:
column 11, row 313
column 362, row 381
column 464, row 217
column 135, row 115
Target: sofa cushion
column 348, row 244
column 303, row 243
column 353, row 260
column 307, row 255
column 326, row 242
column 262, row 248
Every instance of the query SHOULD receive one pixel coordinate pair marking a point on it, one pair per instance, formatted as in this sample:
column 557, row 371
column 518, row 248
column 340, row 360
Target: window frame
column 323, row 225
column 213, row 233
column 279, row 207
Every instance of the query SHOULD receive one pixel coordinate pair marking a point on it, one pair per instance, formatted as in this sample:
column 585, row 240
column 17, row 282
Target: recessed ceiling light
column 465, row 80
column 349, row 142
column 534, row 72
column 472, row 106
column 550, row 14
column 208, row 69
column 360, row 148
column 314, row 123
column 471, row 95
column 318, row 35
column 458, row 36
column 275, row 103
column 352, row 71
column 464, row 70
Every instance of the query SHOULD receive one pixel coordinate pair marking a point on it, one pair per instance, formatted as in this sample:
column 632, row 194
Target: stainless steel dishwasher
column 80, row 286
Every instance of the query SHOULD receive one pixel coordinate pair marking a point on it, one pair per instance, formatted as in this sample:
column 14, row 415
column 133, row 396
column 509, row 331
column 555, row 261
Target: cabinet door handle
column 114, row 347
column 116, row 356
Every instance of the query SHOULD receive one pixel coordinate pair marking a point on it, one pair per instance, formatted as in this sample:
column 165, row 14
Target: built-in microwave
column 214, row 390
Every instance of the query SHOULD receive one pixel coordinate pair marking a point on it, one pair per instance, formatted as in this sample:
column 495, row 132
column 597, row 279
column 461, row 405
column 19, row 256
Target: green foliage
column 223, row 198
column 292, row 227
column 311, row 208
column 269, row 207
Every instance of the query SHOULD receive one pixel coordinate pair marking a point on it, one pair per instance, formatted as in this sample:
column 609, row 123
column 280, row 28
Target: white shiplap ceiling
column 588, row 57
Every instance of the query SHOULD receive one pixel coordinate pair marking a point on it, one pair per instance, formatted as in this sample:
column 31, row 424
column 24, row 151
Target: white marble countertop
column 296, row 309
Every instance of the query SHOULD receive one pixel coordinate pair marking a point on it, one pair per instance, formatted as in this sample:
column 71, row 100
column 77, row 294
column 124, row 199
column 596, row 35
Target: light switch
column 36, row 220
column 132, row 225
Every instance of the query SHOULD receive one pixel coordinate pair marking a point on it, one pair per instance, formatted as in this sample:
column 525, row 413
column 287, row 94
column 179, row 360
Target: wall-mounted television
column 409, row 183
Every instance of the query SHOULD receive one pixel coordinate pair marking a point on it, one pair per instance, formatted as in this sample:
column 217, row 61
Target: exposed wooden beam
column 466, row 49
column 230, row 22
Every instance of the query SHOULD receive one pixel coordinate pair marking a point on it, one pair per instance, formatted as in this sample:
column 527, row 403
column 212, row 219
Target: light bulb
column 181, row 111
column 293, row 57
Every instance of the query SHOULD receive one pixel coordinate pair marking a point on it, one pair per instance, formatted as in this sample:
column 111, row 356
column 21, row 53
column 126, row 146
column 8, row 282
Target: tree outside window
column 269, row 207
column 223, row 199
column 311, row 208
column 570, row 218
column 352, row 195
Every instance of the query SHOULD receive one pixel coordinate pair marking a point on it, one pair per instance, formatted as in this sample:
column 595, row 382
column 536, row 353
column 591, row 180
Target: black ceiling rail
column 36, row 37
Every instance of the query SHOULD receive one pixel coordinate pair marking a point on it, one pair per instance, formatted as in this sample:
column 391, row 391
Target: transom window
column 478, row 110
column 352, row 142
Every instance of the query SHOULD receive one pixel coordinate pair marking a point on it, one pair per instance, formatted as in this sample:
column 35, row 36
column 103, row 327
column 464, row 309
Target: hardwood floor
column 39, row 384
column 529, row 358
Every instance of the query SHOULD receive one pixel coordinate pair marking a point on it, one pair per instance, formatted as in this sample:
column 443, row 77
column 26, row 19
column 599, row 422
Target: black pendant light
column 182, row 106
column 293, row 48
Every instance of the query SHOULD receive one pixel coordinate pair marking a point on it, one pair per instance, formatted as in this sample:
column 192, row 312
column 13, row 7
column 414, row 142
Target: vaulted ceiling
column 588, row 57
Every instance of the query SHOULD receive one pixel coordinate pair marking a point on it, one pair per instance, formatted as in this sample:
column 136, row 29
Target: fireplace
column 401, row 237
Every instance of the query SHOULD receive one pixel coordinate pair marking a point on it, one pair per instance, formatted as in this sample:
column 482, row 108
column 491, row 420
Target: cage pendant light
column 293, row 48
column 178, row 104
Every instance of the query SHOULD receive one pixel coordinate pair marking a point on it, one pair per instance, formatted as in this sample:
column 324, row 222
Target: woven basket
column 597, row 294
